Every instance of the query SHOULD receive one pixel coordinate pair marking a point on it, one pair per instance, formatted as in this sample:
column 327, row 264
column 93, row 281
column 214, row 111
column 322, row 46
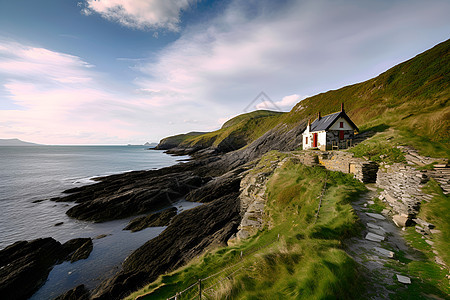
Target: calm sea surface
column 34, row 173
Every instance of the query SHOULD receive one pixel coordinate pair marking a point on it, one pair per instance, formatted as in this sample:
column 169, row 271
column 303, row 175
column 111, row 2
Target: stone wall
column 333, row 136
column 363, row 170
column 402, row 186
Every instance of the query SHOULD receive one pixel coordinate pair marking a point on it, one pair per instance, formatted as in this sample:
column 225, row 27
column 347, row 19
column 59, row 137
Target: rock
column 431, row 243
column 376, row 216
column 59, row 224
column 374, row 226
column 401, row 221
column 374, row 237
column 24, row 266
column 82, row 252
column 78, row 293
column 370, row 202
column 439, row 261
column 420, row 230
column 133, row 193
column 384, row 252
column 424, row 223
column 435, row 231
column 101, row 236
column 385, row 211
column 188, row 235
column 403, row 279
column 152, row 220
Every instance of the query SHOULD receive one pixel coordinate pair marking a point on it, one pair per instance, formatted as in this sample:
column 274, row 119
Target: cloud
column 60, row 98
column 297, row 47
column 140, row 14
column 286, row 103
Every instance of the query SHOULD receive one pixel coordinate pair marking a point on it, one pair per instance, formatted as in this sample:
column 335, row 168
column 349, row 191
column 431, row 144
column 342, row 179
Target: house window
column 306, row 140
column 341, row 124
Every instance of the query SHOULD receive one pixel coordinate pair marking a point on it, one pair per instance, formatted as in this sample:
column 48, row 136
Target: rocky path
column 372, row 248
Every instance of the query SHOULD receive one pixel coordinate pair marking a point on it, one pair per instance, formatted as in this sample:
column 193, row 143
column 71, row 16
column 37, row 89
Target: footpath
column 374, row 248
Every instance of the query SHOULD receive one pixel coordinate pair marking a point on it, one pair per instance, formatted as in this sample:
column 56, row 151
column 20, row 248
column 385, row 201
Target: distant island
column 15, row 142
column 151, row 145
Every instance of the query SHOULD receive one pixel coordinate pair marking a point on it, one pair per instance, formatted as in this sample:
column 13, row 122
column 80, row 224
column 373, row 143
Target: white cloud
column 303, row 47
column 140, row 14
column 286, row 103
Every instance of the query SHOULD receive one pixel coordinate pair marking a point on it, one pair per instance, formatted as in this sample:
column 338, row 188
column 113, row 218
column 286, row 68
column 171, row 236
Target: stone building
column 329, row 132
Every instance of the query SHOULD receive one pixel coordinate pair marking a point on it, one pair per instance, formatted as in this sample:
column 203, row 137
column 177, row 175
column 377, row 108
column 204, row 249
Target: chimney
column 318, row 116
column 342, row 106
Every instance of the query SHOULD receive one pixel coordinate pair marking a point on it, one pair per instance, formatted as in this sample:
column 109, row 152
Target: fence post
column 199, row 289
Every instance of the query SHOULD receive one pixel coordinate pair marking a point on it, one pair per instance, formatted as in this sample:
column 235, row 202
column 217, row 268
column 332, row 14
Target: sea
column 31, row 175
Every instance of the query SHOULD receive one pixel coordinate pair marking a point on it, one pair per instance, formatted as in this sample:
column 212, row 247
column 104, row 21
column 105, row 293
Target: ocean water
column 31, row 174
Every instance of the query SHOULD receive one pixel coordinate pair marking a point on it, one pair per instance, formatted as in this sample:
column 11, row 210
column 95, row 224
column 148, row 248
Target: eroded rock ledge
column 24, row 266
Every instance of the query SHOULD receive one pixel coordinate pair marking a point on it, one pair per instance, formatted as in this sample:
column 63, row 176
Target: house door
column 341, row 134
column 314, row 139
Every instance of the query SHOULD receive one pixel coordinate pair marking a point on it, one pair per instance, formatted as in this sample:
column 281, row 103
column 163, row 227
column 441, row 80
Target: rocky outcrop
column 78, row 293
column 253, row 199
column 188, row 235
column 132, row 193
column 152, row 220
column 24, row 266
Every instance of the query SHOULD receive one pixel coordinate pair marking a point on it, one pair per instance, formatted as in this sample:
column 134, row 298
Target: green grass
column 293, row 258
column 437, row 212
column 380, row 148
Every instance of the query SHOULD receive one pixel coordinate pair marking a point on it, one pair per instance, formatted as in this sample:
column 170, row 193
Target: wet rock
column 59, row 223
column 78, row 293
column 152, row 220
column 24, row 266
column 133, row 193
column 187, row 236
column 82, row 252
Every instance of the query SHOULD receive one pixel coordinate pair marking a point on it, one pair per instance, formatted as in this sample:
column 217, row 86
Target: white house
column 329, row 130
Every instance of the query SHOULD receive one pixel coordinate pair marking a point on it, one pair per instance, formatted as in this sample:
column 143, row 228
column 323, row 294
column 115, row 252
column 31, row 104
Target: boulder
column 402, row 221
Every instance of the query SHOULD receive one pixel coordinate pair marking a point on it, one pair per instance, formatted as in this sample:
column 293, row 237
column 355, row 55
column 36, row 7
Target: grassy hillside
column 298, row 258
column 412, row 97
column 235, row 133
column 175, row 140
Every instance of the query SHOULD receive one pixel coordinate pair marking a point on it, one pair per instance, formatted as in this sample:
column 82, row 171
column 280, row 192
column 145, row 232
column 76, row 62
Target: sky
column 132, row 71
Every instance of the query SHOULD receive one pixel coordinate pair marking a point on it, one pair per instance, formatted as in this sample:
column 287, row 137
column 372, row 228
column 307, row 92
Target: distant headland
column 15, row 142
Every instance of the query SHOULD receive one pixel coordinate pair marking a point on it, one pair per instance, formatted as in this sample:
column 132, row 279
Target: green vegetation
column 436, row 212
column 237, row 132
column 299, row 257
column 380, row 147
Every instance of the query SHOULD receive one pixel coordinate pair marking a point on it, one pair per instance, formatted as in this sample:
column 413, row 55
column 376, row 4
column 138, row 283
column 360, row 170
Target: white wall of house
column 308, row 139
column 336, row 125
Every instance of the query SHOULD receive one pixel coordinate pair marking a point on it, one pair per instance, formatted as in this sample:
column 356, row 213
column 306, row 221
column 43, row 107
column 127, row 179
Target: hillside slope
column 412, row 97
column 234, row 134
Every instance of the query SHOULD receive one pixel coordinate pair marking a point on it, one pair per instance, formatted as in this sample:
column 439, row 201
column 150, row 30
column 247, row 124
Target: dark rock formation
column 78, row 293
column 188, row 235
column 132, row 193
column 77, row 249
column 24, row 266
column 157, row 219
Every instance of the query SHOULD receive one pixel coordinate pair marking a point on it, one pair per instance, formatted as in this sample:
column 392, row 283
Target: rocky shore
column 211, row 177
column 24, row 266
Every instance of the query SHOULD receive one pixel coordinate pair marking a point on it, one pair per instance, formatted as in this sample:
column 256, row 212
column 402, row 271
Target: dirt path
column 372, row 249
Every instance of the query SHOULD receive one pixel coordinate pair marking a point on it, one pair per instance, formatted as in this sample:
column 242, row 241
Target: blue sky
column 131, row 71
